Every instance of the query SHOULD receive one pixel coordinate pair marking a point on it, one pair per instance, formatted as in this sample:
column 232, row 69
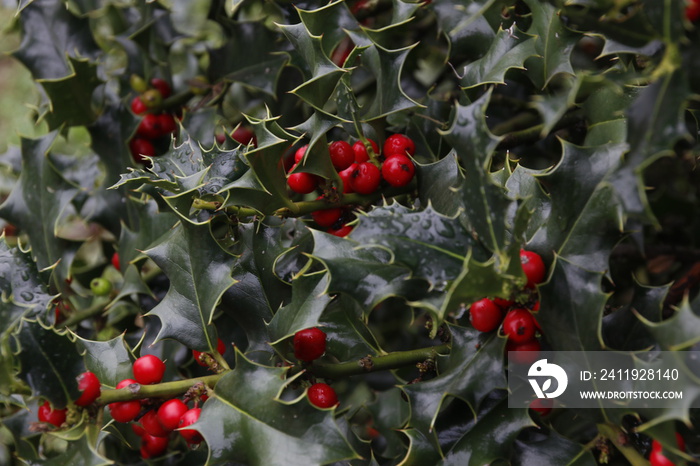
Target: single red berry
column 139, row 147
column 190, row 417
column 115, row 261
column 125, row 411
column 125, row 383
column 360, row 150
column 151, row 424
column 302, row 183
column 657, row 457
column 148, row 369
column 399, row 144
column 167, row 123
column 150, row 127
column 535, row 307
column 220, row 348
column 342, row 232
column 309, row 344
column 89, row 384
column 322, row 395
column 244, row 135
column 485, row 315
column 327, row 217
column 138, row 429
column 170, row 412
column 162, row 86
column 524, row 353
column 398, row 170
column 299, row 154
column 692, row 11
column 342, row 155
column 519, row 325
column 541, row 406
column 137, row 106
column 365, row 178
column 533, row 266
column 152, row 446
column 346, row 176
column 50, row 415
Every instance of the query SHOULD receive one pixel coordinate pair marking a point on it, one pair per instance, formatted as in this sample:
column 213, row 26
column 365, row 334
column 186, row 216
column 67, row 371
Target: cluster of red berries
column 309, row 345
column 692, row 10
column 157, row 423
column 657, row 457
column 359, row 171
column 516, row 321
column 242, row 135
column 88, row 385
column 155, row 127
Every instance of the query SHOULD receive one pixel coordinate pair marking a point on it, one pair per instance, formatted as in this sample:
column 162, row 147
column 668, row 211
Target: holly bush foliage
column 565, row 128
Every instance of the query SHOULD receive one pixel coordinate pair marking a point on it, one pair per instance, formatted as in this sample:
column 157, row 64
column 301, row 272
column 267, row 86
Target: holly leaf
column 199, row 272
column 438, row 185
column 491, row 438
column 49, row 362
column 38, row 201
column 553, row 42
column 347, row 334
column 148, row 225
column 468, row 373
column 109, row 360
column 679, row 331
column 248, row 401
column 465, row 25
column 509, row 49
column 550, row 449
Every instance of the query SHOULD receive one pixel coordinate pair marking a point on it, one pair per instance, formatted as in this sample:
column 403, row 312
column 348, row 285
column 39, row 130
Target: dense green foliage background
column 566, row 128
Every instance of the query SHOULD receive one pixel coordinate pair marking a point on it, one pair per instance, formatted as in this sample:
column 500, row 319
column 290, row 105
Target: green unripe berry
column 199, row 85
column 152, row 98
column 138, row 84
column 100, row 286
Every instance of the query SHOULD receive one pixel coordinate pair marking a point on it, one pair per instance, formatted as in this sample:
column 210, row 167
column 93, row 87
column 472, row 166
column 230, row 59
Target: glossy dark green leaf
column 49, row 362
column 681, row 330
column 38, row 202
column 71, row 97
column 472, row 370
column 420, row 449
column 553, row 449
column 438, row 184
column 348, row 335
column 554, row 106
column 491, row 438
column 199, row 272
column 309, row 299
column 509, row 49
column 82, row 451
column 329, row 22
column 464, row 25
column 110, row 360
column 246, row 419
column 148, row 224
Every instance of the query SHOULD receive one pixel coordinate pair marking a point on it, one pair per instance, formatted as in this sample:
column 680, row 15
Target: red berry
column 398, row 170
column 535, row 307
column 525, row 353
column 190, row 417
column 485, row 315
column 692, row 11
column 89, row 384
column 657, row 458
column 519, row 325
column 342, row 155
column 346, row 176
column 399, row 144
column 125, row 411
column 244, row 135
column 167, row 123
column 342, row 232
column 150, row 127
column 533, row 266
column 299, row 154
column 115, row 261
column 302, row 183
column 322, row 395
column 327, row 217
column 50, row 415
column 125, row 383
column 148, row 369
column 541, row 406
column 139, row 147
column 170, row 412
column 360, row 150
column 365, row 178
column 503, row 303
column 309, row 344
column 162, row 86
column 153, row 446
column 138, row 429
column 220, row 348
column 137, row 106
column 151, row 425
